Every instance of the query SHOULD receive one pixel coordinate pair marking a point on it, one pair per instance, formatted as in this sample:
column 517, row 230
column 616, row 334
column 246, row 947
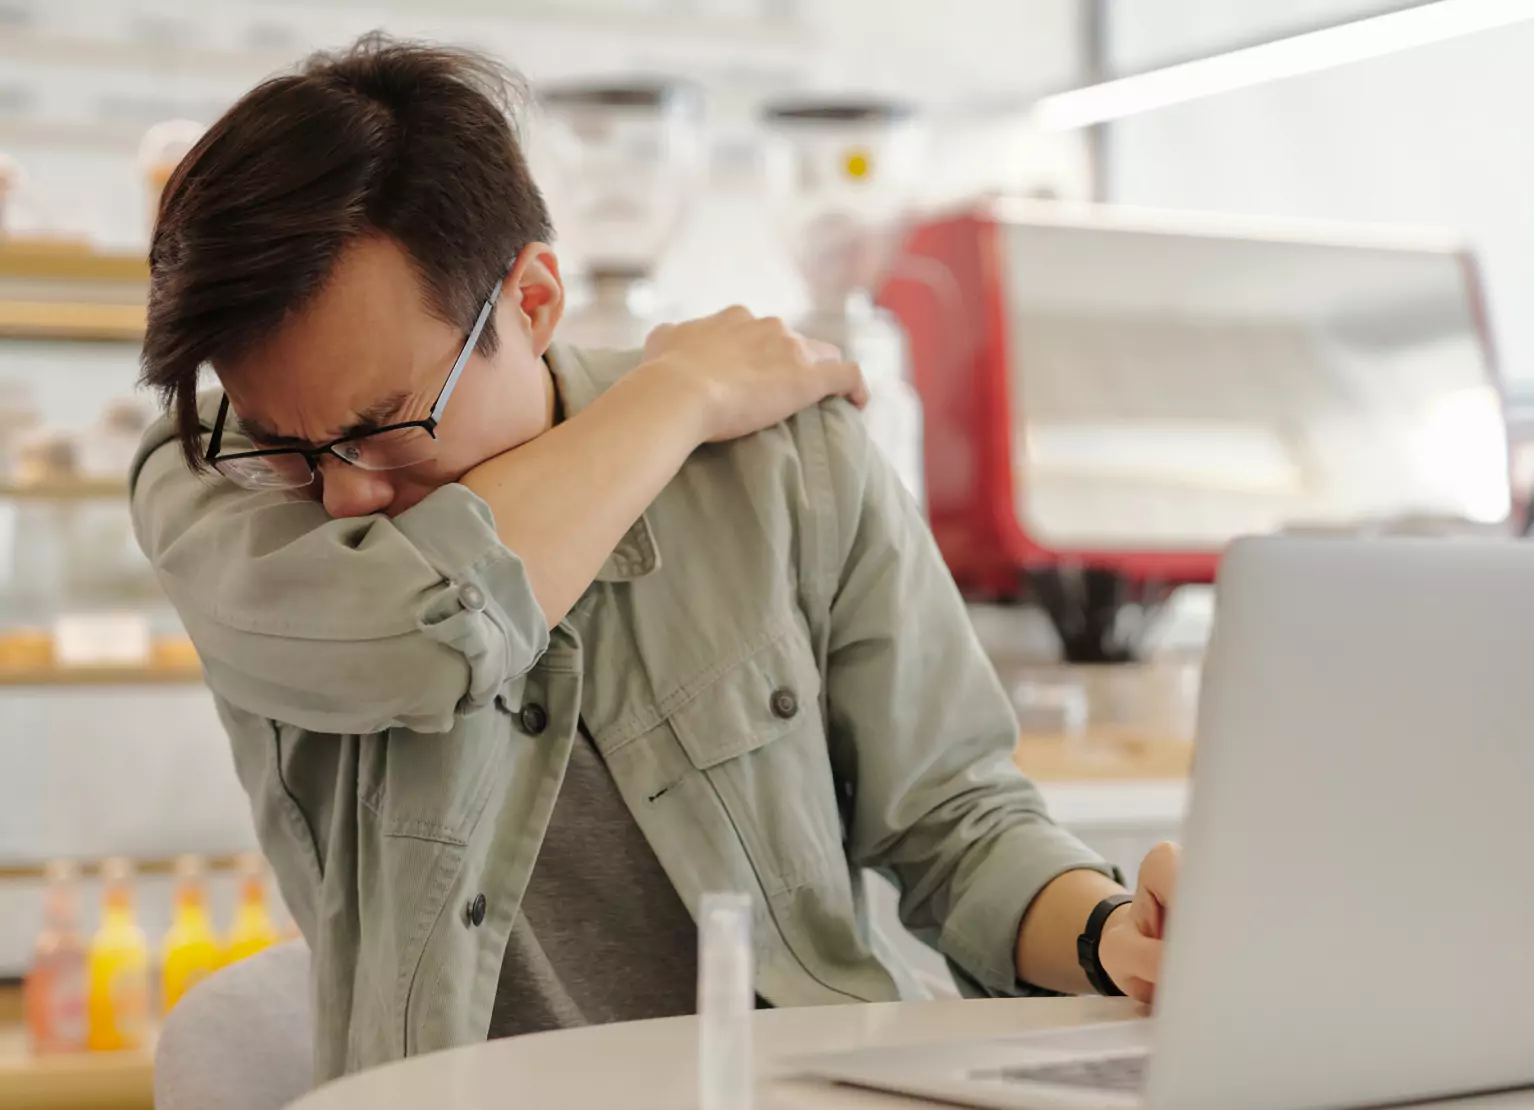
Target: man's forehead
column 358, row 356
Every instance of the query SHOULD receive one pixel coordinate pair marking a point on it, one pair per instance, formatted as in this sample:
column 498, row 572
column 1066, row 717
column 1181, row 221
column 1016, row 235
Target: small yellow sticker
column 858, row 164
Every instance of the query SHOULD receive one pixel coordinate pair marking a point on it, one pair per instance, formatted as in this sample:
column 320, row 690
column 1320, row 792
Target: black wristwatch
column 1089, row 944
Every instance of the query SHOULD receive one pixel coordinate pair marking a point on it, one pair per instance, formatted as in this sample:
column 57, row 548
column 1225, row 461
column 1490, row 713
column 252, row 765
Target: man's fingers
column 818, row 350
column 1158, row 878
column 845, row 379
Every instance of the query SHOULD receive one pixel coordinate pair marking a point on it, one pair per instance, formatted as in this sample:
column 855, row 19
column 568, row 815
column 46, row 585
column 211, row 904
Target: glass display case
column 109, row 743
column 76, row 594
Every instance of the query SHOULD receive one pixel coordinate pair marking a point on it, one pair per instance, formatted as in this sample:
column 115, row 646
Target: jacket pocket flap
column 771, row 692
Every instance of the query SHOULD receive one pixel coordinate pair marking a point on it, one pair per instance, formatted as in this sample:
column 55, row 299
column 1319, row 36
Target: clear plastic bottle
column 118, row 968
column 873, row 338
column 726, row 1001
column 253, row 927
column 55, row 986
column 192, row 950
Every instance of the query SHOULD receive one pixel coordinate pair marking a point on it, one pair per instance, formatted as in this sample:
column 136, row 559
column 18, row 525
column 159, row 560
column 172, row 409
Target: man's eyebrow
column 377, row 414
column 260, row 433
column 369, row 419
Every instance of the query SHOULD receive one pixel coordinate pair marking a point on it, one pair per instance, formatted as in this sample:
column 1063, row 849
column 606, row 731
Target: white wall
column 1435, row 136
column 1153, row 32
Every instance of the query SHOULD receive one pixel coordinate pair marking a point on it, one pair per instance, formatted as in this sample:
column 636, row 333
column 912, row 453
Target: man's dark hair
column 386, row 138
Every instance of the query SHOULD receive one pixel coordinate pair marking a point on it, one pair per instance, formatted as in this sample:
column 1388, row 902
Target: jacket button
column 472, row 596
column 476, row 911
column 785, row 703
column 535, row 719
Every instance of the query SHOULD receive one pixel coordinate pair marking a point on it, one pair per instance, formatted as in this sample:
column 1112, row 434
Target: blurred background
column 1129, row 280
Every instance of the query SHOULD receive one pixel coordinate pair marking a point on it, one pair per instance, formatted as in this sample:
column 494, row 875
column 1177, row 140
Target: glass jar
column 841, row 173
column 626, row 161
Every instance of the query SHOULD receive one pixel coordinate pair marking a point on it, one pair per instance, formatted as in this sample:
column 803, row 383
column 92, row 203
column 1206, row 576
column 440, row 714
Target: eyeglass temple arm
column 217, row 438
column 468, row 349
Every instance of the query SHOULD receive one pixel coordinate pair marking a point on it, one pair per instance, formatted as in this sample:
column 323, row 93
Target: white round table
column 652, row 1065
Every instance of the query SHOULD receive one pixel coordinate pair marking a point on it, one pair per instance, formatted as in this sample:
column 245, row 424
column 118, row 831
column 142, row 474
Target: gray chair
column 242, row 1039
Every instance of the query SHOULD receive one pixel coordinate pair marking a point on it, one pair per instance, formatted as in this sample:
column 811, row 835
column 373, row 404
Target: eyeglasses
column 388, row 448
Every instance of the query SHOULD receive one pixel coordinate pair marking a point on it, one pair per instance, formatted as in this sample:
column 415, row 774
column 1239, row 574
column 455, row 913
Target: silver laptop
column 1354, row 924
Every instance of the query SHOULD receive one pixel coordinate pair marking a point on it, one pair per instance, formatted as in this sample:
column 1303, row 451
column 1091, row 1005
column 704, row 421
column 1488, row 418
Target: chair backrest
column 242, row 1039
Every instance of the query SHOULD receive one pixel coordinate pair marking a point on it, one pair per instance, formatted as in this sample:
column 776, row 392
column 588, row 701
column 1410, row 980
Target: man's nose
column 351, row 491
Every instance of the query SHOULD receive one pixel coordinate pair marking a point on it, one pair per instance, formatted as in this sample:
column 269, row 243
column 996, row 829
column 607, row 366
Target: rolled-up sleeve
column 920, row 719
column 351, row 626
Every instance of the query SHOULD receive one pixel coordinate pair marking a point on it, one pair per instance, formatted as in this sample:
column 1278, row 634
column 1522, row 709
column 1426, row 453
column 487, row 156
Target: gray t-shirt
column 603, row 935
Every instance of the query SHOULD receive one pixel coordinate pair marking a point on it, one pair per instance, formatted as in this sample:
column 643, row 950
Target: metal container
column 626, row 159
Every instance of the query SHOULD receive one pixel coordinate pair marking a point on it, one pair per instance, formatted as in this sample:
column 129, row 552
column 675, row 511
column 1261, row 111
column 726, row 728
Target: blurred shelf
column 82, row 489
column 181, row 58
column 1103, row 755
column 69, row 260
column 244, row 64
column 83, row 1081
column 36, row 872
column 68, row 134
column 79, row 321
column 717, row 49
column 180, row 674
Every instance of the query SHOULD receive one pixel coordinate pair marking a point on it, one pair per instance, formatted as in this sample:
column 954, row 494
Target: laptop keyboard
column 1101, row 1073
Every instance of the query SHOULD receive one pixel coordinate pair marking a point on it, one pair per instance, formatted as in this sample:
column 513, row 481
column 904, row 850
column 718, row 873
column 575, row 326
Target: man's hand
column 747, row 373
column 1132, row 939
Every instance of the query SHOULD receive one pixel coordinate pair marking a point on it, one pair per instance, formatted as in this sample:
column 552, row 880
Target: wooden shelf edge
column 83, row 489
column 1099, row 757
column 77, row 1081
column 119, row 1080
column 79, row 321
column 69, row 260
column 177, row 675
column 29, row 872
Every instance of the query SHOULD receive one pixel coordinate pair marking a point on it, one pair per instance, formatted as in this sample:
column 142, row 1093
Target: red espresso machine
column 1112, row 396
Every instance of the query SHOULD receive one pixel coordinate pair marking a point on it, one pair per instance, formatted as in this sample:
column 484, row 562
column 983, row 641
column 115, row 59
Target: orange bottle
column 55, row 987
column 192, row 951
column 117, row 969
column 253, row 928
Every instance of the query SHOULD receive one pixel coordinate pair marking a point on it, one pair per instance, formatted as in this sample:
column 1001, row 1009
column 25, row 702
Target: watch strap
column 1089, row 945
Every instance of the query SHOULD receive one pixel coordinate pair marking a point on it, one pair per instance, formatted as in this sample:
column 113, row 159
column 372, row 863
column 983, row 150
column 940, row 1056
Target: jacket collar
column 581, row 377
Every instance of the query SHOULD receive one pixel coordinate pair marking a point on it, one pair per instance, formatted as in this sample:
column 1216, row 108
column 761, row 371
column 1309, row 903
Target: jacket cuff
column 484, row 608
column 981, row 931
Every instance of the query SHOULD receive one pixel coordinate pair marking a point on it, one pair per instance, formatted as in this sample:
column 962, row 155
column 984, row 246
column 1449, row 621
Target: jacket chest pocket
column 433, row 786
column 756, row 733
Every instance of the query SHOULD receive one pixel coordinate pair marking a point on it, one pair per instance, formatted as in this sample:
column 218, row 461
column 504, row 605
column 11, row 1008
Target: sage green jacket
column 774, row 664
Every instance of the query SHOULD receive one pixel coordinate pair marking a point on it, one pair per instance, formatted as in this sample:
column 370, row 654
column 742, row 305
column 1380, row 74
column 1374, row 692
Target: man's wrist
column 680, row 394
column 1113, row 914
column 1089, row 943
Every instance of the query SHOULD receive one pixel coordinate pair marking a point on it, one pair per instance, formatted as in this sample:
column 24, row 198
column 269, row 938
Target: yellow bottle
column 117, row 969
column 192, row 950
column 253, row 926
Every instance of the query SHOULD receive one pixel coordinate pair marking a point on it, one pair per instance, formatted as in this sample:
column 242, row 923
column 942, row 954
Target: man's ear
column 537, row 293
